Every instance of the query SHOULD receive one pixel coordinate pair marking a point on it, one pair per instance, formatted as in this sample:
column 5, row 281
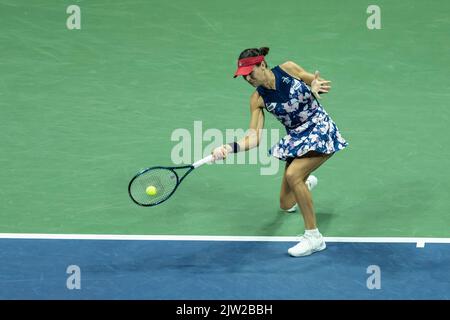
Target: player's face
column 256, row 77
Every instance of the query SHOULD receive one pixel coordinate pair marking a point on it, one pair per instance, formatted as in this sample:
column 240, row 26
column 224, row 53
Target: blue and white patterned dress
column 308, row 126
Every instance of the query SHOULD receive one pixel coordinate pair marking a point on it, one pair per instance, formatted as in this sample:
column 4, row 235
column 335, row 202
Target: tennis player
column 291, row 94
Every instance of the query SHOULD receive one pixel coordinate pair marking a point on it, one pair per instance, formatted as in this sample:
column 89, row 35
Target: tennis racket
column 165, row 180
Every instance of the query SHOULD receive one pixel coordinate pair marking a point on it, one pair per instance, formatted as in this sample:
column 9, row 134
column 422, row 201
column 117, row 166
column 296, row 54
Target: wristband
column 234, row 146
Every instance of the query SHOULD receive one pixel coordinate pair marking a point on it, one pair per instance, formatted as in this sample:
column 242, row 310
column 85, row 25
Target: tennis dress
column 308, row 126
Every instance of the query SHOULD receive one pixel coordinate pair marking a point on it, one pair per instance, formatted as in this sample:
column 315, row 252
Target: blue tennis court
column 185, row 270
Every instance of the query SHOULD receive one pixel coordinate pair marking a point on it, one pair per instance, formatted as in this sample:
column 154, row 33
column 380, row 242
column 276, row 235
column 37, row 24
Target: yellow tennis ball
column 151, row 190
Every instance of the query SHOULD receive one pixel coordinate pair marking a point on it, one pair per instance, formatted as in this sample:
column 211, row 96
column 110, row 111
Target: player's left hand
column 319, row 86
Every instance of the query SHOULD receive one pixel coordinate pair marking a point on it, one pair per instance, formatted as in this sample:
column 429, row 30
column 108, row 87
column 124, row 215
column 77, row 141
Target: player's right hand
column 220, row 153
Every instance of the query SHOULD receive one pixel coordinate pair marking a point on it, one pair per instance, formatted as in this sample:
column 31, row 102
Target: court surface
column 207, row 269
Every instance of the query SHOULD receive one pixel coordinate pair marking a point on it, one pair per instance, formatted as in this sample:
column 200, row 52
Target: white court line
column 419, row 241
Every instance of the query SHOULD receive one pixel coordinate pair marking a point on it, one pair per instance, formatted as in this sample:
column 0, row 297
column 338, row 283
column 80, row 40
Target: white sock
column 312, row 232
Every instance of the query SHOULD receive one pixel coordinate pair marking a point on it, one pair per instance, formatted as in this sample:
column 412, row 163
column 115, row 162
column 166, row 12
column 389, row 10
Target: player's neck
column 270, row 80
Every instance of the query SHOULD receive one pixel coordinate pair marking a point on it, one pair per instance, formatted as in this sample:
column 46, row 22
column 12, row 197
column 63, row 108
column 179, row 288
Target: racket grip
column 203, row 161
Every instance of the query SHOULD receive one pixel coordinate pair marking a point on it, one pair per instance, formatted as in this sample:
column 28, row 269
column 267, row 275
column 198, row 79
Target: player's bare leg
column 287, row 196
column 296, row 174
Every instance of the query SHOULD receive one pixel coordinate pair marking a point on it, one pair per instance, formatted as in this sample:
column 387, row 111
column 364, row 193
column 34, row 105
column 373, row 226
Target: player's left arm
column 298, row 72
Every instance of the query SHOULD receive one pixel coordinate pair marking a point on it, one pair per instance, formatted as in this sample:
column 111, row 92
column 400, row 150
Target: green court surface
column 82, row 111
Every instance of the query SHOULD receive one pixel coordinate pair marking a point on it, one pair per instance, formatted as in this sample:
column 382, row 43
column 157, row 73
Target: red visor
column 245, row 66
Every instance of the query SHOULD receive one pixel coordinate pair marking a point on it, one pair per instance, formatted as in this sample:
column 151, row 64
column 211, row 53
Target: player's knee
column 294, row 177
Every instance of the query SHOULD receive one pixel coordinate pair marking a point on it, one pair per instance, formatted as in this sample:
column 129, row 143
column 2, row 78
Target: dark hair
column 254, row 52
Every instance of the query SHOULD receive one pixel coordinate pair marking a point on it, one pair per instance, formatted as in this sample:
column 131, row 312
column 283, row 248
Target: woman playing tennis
column 290, row 94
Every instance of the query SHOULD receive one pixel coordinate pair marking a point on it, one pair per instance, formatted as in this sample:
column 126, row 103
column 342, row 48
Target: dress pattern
column 308, row 126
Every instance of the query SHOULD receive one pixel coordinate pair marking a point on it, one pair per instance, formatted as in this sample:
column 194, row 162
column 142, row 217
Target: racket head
column 164, row 179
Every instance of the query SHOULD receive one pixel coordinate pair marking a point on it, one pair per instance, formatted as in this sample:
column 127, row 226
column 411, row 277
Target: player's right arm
column 253, row 135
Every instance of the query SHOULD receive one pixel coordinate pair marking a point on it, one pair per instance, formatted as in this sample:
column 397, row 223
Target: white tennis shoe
column 293, row 209
column 308, row 244
column 311, row 183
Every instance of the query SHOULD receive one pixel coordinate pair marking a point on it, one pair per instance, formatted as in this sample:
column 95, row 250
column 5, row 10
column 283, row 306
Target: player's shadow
column 272, row 226
column 222, row 258
column 324, row 220
column 280, row 218
column 197, row 257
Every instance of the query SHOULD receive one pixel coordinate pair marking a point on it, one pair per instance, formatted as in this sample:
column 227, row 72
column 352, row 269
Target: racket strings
column 164, row 180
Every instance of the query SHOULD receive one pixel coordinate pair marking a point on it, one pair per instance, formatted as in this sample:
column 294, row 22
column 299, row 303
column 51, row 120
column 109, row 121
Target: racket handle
column 203, row 161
